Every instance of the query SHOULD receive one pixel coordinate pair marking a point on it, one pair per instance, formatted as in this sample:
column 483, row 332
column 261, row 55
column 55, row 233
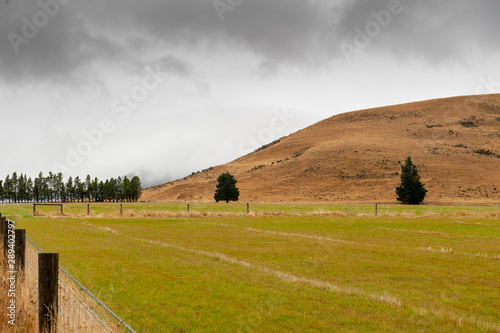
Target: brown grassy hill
column 355, row 157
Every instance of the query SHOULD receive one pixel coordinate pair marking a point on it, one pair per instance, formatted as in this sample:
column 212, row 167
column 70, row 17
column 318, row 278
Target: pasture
column 286, row 268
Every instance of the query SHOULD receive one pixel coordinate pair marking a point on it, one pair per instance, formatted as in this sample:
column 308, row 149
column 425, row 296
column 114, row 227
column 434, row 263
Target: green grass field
column 287, row 273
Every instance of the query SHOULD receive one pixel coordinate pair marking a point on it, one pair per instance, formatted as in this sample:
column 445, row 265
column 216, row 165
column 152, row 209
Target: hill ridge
column 355, row 157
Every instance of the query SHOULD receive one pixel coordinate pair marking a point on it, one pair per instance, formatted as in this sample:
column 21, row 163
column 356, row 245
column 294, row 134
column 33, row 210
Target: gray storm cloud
column 278, row 32
column 38, row 52
column 433, row 30
column 285, row 31
column 52, row 41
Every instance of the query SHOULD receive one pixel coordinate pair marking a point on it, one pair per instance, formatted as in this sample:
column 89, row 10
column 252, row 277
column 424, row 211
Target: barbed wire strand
column 33, row 268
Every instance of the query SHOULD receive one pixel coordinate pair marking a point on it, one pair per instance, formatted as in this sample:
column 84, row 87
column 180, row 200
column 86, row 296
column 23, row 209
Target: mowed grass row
column 286, row 273
column 144, row 208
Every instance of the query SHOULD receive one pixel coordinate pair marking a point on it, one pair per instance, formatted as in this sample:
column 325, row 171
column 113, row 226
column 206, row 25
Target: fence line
column 79, row 310
column 256, row 209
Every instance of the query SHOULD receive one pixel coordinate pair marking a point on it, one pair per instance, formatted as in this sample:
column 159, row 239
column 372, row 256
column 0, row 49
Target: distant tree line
column 53, row 188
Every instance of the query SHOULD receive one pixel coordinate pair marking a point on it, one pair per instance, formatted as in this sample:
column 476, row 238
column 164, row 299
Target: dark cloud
column 278, row 32
column 87, row 31
column 301, row 31
column 58, row 44
column 38, row 52
column 437, row 31
column 171, row 65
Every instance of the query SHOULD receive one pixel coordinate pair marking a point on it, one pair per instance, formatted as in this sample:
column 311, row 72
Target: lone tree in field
column 226, row 189
column 411, row 191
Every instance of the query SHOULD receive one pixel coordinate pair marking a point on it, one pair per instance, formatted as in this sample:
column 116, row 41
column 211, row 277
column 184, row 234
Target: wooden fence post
column 188, row 208
column 88, row 209
column 376, row 209
column 34, row 209
column 121, row 209
column 5, row 236
column 3, row 221
column 20, row 248
column 4, row 226
column 48, row 275
column 248, row 208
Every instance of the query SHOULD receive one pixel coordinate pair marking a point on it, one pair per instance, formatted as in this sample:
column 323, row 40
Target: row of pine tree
column 53, row 188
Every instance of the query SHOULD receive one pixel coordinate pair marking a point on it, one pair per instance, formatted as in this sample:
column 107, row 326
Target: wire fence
column 173, row 209
column 78, row 309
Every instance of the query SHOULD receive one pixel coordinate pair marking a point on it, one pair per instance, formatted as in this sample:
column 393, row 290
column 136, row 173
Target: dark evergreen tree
column 126, row 189
column 37, row 188
column 88, row 187
column 119, row 189
column 44, row 188
column 14, row 187
column 70, row 190
column 112, row 188
column 22, row 189
column 30, row 189
column 100, row 192
column 226, row 189
column 80, row 189
column 7, row 186
column 135, row 188
column 50, row 187
column 411, row 191
column 94, row 189
column 106, row 191
column 60, row 190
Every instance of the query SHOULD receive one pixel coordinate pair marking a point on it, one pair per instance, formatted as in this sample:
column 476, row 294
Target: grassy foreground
column 285, row 273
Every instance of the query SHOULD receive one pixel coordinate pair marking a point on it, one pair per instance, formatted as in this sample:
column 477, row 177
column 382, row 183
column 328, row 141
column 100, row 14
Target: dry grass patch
column 26, row 320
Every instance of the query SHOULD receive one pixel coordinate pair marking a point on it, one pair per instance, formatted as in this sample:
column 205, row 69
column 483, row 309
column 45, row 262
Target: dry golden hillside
column 355, row 157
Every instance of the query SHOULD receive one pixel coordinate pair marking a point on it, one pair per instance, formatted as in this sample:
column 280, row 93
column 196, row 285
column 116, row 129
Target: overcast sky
column 168, row 87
